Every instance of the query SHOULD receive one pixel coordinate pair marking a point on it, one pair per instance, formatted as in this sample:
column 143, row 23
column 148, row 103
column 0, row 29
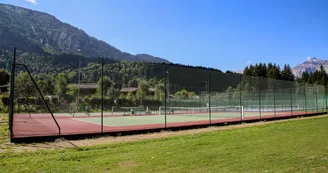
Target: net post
column 102, row 95
column 11, row 100
column 165, row 93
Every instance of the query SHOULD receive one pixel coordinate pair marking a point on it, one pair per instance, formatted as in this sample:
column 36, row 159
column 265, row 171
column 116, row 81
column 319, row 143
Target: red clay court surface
column 44, row 125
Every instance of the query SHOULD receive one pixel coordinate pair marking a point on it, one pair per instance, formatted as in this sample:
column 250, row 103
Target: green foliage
column 143, row 85
column 160, row 91
column 143, row 89
column 72, row 76
column 121, row 73
column 105, row 84
column 24, row 86
column 113, row 93
column 3, row 106
column 4, row 100
column 46, row 84
column 318, row 77
column 72, row 91
column 191, row 94
column 184, row 94
column 133, row 83
column 271, row 71
column 4, row 77
column 286, row 73
column 109, row 88
column 141, row 95
column 61, row 84
column 130, row 96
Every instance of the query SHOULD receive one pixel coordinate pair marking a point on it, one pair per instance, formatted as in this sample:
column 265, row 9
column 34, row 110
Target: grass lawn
column 3, row 128
column 3, row 117
column 294, row 146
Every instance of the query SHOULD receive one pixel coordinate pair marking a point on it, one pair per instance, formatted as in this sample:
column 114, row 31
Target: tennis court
column 43, row 125
column 159, row 119
column 155, row 98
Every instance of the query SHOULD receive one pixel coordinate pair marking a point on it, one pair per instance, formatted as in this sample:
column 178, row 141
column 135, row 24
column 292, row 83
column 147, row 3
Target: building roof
column 129, row 89
column 4, row 86
column 134, row 89
column 86, row 85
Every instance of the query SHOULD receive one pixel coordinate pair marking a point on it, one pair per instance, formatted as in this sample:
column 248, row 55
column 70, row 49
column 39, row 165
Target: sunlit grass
column 294, row 146
column 4, row 128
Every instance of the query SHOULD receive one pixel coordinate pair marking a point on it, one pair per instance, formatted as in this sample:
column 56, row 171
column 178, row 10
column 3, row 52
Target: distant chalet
column 89, row 88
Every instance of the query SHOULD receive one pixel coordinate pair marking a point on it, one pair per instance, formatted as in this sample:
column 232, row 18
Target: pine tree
column 305, row 76
column 287, row 74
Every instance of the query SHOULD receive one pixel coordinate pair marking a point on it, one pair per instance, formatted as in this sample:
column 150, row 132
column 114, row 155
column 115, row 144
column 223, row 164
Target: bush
column 3, row 108
column 4, row 100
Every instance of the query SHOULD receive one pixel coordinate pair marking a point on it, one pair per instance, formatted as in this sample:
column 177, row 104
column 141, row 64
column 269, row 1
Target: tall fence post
column 325, row 97
column 165, row 93
column 305, row 98
column 274, row 97
column 102, row 95
column 316, row 97
column 291, row 99
column 79, row 88
column 11, row 100
column 209, row 95
column 240, row 101
column 259, row 87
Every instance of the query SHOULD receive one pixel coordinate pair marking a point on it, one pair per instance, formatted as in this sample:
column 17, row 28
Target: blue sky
column 224, row 34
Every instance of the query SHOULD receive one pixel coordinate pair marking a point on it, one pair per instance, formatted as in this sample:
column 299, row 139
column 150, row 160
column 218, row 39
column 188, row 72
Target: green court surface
column 81, row 114
column 78, row 114
column 160, row 119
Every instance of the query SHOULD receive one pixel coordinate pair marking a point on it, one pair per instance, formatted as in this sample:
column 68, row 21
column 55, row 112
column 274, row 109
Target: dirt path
column 61, row 144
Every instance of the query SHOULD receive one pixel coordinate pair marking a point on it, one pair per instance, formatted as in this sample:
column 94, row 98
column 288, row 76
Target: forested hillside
column 122, row 73
column 34, row 31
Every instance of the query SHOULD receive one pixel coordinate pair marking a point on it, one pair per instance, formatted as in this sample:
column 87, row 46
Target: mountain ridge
column 310, row 66
column 31, row 30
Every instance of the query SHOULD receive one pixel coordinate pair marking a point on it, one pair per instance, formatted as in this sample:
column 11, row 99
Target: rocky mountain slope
column 311, row 65
column 38, row 32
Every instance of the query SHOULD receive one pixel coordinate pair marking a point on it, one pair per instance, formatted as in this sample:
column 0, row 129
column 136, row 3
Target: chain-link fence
column 94, row 96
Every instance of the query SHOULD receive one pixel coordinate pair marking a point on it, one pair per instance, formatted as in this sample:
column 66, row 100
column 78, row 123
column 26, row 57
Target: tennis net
column 129, row 110
column 199, row 110
column 271, row 108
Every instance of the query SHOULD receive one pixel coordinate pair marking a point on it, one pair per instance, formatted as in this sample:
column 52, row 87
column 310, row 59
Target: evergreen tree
column 287, row 73
column 305, row 77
